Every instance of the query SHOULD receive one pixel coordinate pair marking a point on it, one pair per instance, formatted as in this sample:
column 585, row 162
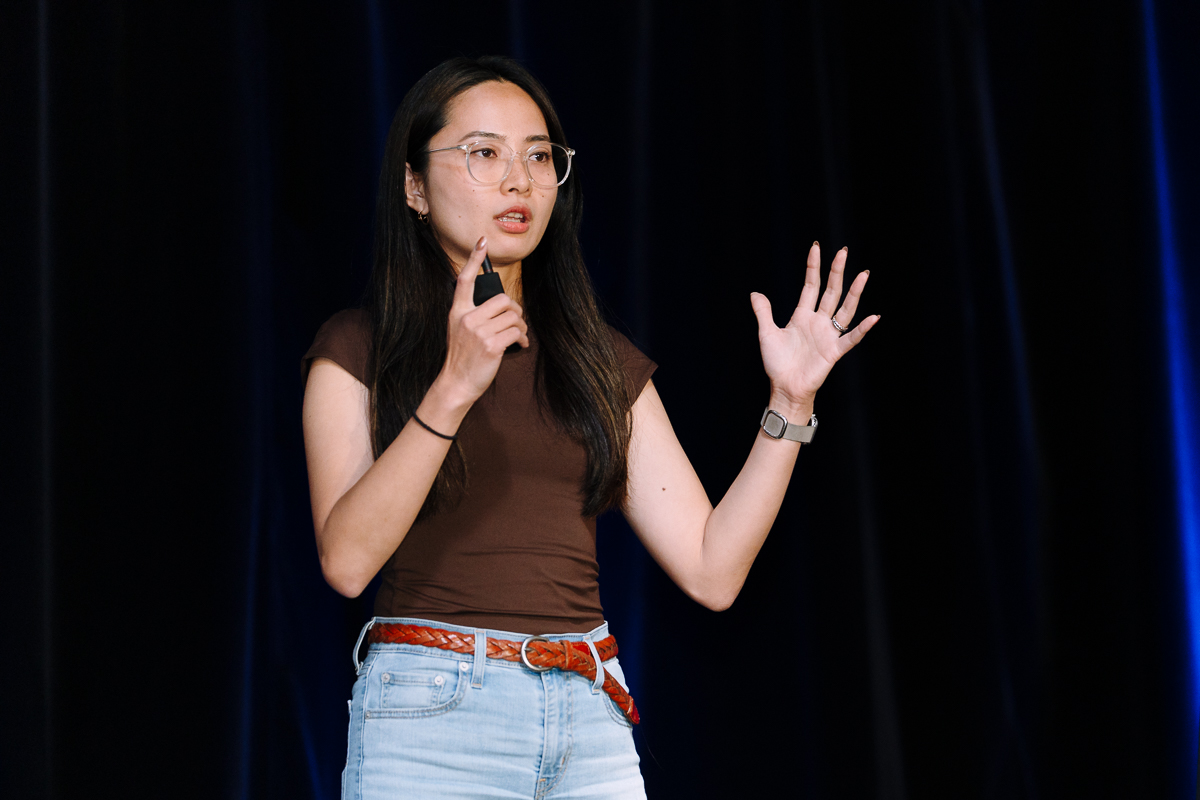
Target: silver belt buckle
column 525, row 658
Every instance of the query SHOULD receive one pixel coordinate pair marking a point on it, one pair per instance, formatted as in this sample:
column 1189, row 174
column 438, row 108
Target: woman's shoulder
column 345, row 339
column 638, row 366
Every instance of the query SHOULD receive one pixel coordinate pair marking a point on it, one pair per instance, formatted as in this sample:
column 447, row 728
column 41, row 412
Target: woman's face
column 513, row 213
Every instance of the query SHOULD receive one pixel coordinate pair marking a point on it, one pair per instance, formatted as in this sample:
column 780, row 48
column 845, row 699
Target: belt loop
column 354, row 656
column 597, row 684
column 480, row 658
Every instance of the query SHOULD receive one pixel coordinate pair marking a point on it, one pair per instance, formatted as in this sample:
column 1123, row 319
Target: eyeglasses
column 546, row 164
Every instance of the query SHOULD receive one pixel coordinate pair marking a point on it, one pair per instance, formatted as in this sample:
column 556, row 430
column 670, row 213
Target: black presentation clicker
column 487, row 286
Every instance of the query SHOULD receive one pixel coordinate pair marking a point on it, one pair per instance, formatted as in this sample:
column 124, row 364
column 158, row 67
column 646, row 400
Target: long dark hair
column 579, row 379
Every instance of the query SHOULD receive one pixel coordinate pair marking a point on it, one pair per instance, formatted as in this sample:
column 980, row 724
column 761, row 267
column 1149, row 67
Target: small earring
column 423, row 218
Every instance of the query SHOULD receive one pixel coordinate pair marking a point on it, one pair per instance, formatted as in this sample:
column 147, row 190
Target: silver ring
column 525, row 658
column 838, row 325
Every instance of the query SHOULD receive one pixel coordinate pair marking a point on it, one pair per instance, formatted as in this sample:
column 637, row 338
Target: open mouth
column 514, row 220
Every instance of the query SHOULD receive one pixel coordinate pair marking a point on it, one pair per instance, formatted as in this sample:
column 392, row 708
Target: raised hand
column 476, row 336
column 799, row 356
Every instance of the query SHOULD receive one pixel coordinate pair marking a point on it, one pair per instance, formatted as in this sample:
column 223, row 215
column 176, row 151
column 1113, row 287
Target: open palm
column 799, row 356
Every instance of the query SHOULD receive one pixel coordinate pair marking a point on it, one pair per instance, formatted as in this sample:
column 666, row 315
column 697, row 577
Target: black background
column 974, row 588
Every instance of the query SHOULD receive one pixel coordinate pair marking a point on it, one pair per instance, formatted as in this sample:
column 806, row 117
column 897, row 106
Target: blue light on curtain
column 1181, row 386
column 382, row 106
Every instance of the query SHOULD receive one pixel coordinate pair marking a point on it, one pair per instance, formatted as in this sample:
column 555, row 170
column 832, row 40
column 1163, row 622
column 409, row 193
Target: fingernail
column 481, row 243
column 867, row 272
column 846, row 250
column 816, row 244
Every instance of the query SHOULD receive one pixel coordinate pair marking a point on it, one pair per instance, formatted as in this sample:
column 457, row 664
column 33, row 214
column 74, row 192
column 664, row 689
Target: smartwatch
column 776, row 426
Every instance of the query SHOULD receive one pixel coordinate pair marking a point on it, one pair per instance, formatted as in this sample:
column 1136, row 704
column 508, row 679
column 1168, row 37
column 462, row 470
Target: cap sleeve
column 638, row 366
column 344, row 339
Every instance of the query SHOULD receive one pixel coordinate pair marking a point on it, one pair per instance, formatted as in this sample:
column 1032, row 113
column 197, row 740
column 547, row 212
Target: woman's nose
column 518, row 177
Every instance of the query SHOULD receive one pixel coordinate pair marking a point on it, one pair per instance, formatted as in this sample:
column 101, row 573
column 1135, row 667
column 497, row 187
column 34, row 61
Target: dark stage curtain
column 977, row 586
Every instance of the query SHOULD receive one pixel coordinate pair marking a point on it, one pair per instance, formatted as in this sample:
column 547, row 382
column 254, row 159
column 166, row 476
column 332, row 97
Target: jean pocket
column 416, row 690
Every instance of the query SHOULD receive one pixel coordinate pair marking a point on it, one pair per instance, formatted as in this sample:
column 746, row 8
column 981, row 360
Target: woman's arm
column 363, row 509
column 708, row 551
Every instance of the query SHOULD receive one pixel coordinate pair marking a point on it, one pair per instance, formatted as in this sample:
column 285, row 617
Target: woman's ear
column 414, row 191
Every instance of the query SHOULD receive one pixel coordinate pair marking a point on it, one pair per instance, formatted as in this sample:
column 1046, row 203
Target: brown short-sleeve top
column 516, row 553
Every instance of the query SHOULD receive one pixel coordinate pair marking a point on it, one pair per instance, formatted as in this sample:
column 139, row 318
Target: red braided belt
column 535, row 652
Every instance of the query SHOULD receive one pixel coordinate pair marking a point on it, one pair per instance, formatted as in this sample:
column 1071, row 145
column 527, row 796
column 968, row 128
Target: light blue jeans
column 432, row 723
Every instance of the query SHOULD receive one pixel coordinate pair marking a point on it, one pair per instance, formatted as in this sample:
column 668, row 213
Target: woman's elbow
column 340, row 576
column 715, row 598
column 342, row 584
column 718, row 602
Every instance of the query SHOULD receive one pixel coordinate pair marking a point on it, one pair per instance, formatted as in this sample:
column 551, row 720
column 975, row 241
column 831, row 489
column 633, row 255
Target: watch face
column 774, row 425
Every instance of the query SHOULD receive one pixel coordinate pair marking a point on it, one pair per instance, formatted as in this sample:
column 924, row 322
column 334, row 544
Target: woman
column 472, row 476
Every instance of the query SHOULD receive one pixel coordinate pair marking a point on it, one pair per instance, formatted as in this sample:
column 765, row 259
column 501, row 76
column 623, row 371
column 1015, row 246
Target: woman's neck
column 510, row 277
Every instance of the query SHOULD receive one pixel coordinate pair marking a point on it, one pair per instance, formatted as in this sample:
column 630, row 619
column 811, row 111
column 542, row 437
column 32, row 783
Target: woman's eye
column 539, row 157
column 484, row 152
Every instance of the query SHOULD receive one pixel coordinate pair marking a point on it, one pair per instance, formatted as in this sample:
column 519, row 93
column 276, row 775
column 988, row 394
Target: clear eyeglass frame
column 512, row 156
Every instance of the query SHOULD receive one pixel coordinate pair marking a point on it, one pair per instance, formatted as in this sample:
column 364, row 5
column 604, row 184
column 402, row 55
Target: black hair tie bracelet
column 435, row 433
